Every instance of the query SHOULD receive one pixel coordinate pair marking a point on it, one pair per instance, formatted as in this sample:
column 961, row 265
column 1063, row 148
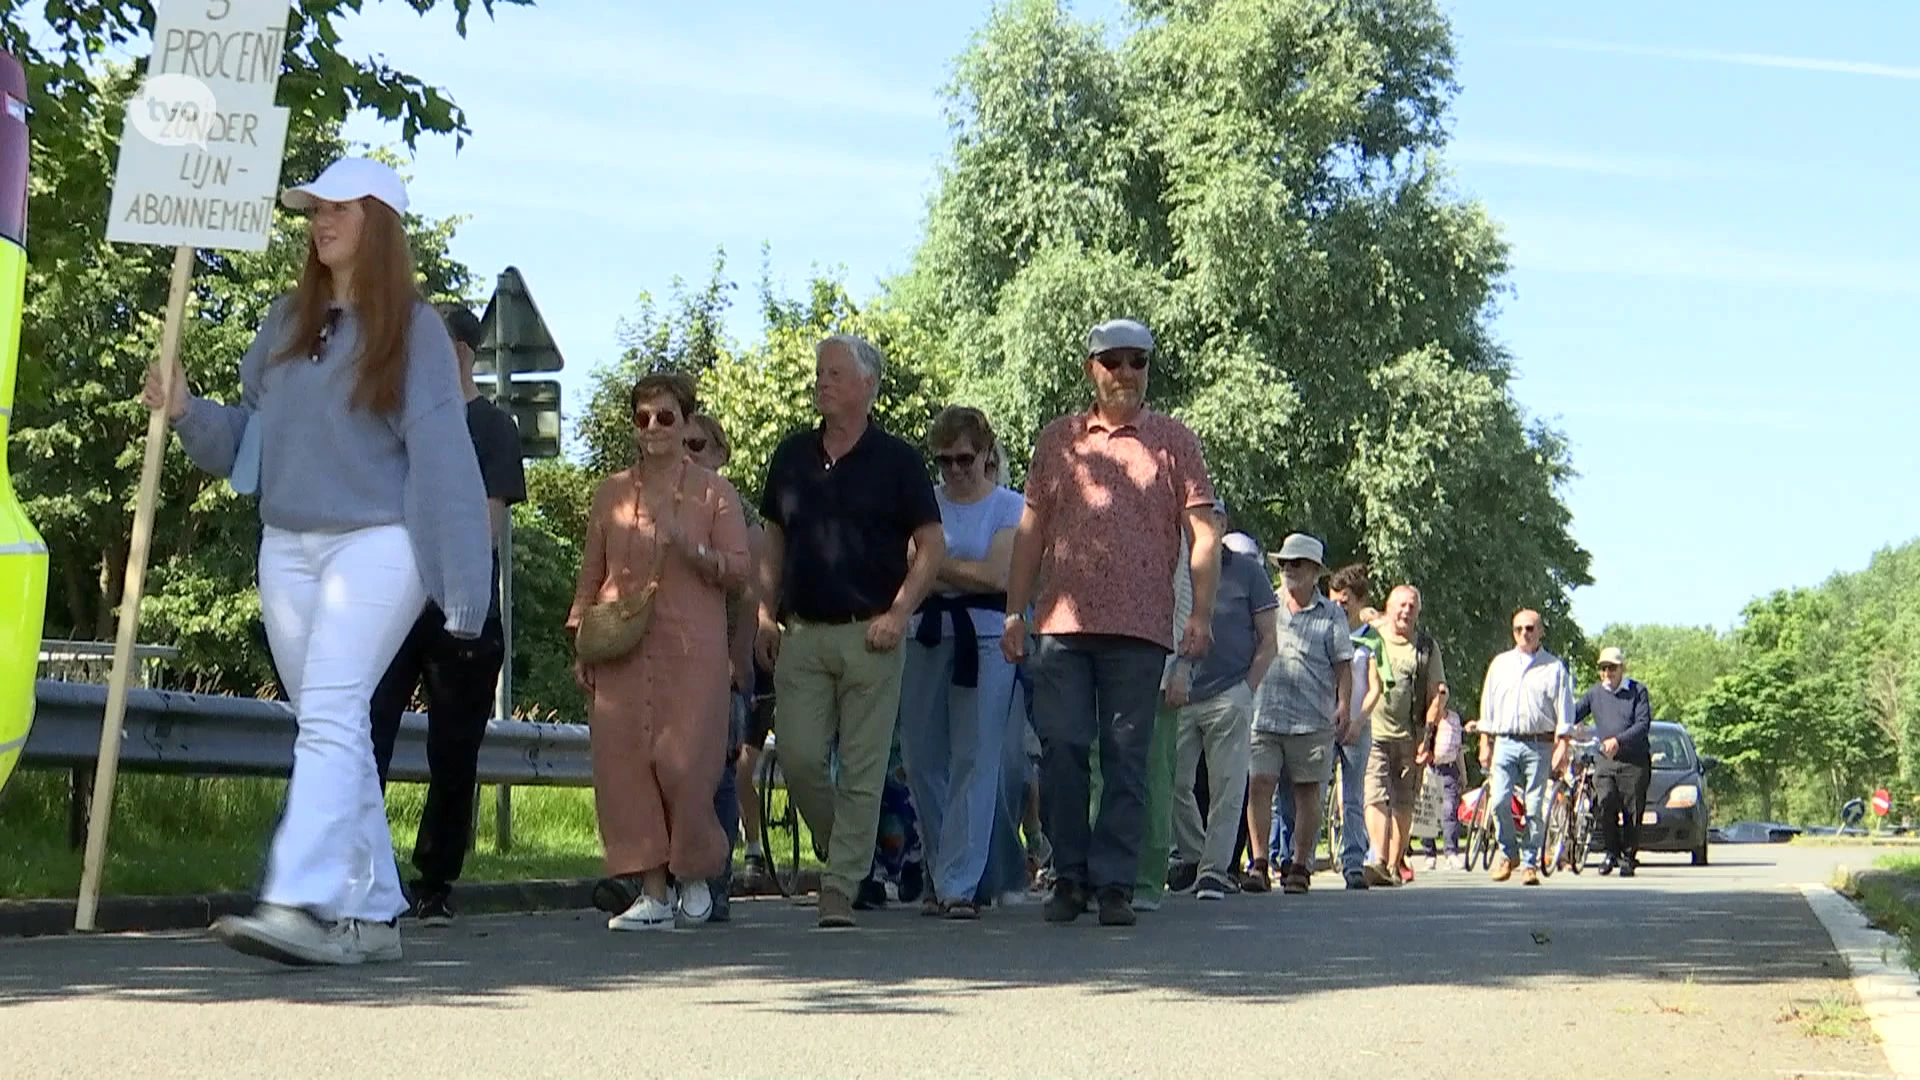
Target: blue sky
column 1711, row 208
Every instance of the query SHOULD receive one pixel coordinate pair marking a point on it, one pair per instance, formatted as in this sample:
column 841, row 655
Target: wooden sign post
column 199, row 167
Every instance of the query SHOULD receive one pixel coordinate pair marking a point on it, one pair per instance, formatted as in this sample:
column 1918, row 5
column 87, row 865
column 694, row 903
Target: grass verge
column 176, row 836
column 1889, row 894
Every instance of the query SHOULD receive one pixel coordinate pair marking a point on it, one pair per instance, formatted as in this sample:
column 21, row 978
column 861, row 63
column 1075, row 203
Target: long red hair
column 384, row 298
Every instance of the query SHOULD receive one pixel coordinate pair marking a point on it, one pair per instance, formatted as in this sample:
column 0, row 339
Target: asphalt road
column 1682, row 972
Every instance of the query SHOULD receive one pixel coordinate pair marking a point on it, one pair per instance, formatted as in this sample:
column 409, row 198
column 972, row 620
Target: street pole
column 503, row 700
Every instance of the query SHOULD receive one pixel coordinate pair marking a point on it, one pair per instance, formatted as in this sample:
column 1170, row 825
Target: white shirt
column 1527, row 695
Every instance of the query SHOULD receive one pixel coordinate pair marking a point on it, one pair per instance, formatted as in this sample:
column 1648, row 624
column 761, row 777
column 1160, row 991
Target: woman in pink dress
column 659, row 714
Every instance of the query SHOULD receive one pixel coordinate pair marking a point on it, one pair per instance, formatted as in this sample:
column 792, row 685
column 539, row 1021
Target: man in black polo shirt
column 842, row 502
column 1622, row 716
column 460, row 675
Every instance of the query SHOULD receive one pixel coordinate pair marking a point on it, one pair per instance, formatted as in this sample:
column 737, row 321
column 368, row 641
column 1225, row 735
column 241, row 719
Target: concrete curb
column 1889, row 990
column 123, row 914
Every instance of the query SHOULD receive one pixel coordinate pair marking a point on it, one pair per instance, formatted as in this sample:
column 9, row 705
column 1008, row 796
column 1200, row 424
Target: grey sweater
column 327, row 467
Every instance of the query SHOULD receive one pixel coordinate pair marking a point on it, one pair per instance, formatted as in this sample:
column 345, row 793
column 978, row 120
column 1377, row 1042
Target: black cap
column 462, row 325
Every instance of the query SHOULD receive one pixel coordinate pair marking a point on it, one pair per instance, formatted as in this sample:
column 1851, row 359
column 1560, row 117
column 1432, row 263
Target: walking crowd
column 1089, row 688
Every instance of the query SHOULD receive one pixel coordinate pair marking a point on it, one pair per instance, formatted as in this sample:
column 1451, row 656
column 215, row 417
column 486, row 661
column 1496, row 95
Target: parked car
column 1677, row 812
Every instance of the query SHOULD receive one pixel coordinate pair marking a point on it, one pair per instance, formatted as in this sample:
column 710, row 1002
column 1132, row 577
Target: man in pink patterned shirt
column 1108, row 494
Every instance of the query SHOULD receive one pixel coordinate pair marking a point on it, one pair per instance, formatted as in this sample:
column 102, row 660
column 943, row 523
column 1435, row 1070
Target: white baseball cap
column 349, row 179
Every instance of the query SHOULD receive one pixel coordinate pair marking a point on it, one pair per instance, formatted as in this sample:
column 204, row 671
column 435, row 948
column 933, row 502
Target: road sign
column 534, row 405
column 513, row 335
column 201, row 148
column 1882, row 802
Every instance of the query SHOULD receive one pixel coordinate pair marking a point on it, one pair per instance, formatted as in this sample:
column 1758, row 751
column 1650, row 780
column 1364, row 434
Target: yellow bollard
column 23, row 555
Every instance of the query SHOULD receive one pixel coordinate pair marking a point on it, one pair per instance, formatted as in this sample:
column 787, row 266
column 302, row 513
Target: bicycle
column 779, row 822
column 1569, row 833
column 1332, row 823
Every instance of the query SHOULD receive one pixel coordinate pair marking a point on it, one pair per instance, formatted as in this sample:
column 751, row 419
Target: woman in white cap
column 351, row 426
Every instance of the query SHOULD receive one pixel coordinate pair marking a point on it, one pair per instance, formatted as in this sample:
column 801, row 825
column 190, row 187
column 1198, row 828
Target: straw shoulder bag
column 613, row 628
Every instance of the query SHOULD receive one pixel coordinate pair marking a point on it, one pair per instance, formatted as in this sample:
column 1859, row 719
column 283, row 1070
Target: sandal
column 1255, row 880
column 963, row 909
column 931, row 907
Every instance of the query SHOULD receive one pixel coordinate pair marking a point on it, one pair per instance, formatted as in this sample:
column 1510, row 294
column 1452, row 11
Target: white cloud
column 1634, row 249
column 1720, row 56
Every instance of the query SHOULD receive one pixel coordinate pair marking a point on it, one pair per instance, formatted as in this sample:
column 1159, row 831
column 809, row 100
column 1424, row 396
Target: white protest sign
column 200, row 154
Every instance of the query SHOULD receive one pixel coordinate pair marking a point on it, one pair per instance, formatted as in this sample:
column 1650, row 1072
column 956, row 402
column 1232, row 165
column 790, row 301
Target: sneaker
column 962, row 910
column 931, row 907
column 376, row 942
column 289, row 935
column 1609, row 866
column 1530, row 876
column 614, row 895
column 433, row 904
column 1210, row 887
column 1183, row 876
column 645, row 913
column 1116, row 908
column 695, row 903
column 1356, row 879
column 1066, row 904
column 1145, row 903
column 836, row 911
column 871, row 896
column 1378, row 875
column 754, row 878
column 1628, row 868
column 1502, row 868
column 1255, row 880
column 1433, row 862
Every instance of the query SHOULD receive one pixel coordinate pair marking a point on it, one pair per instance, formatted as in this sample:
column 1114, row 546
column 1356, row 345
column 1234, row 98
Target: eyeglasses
column 646, row 418
column 1609, row 667
column 1530, row 628
column 1112, row 361
column 696, row 445
column 956, row 461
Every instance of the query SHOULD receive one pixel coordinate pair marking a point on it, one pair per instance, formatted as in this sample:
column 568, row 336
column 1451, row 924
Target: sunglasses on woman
column 646, row 418
column 956, row 461
column 696, row 445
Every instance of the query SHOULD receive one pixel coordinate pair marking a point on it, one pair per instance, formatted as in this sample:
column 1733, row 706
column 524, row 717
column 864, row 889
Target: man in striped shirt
column 1526, row 729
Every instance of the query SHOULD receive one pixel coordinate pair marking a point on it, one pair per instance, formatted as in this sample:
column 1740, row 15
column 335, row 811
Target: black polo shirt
column 846, row 523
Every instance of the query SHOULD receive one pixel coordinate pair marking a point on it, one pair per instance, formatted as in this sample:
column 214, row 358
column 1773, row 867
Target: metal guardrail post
column 503, row 818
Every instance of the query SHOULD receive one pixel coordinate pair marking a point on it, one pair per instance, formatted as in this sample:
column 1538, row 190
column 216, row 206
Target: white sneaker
column 289, row 935
column 1146, row 903
column 695, row 902
column 377, row 942
column 645, row 914
column 1433, row 862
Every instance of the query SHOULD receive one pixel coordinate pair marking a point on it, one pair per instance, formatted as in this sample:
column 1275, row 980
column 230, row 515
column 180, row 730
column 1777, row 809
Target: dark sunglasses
column 1112, row 362
column 956, row 461
column 1526, row 629
column 646, row 418
column 696, row 445
column 1609, row 667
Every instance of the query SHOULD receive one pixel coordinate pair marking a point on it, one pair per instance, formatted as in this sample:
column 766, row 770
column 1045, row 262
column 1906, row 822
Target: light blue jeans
column 1351, row 760
column 1515, row 761
column 952, row 739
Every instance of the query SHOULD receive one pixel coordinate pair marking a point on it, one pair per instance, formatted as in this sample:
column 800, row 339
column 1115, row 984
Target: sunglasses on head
column 696, row 445
column 1113, row 361
column 956, row 461
column 646, row 418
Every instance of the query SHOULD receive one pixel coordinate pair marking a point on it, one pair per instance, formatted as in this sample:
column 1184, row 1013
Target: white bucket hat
column 349, row 179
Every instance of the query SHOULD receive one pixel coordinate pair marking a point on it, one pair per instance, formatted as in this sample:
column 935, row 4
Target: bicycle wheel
column 1553, row 846
column 779, row 824
column 1582, row 827
column 1480, row 839
column 1331, row 827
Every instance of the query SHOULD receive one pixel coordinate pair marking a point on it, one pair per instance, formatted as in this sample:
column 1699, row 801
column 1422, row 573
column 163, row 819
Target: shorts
column 1304, row 759
column 1393, row 780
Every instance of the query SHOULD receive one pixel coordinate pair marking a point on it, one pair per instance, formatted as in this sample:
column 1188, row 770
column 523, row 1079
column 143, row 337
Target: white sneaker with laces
column 376, row 942
column 695, row 902
column 289, row 935
column 645, row 914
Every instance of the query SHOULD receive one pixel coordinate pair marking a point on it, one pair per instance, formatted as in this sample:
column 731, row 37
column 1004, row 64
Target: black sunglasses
column 956, row 461
column 1112, row 362
column 696, row 445
column 646, row 418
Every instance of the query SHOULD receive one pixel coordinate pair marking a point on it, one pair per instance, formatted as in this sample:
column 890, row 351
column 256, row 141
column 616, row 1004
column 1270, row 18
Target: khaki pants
column 828, row 683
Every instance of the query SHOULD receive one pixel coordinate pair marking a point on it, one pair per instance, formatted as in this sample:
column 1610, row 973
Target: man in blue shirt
column 1622, row 716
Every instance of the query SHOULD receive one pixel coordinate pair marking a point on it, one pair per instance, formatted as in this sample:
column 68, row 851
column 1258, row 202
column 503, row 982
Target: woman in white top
column 957, row 692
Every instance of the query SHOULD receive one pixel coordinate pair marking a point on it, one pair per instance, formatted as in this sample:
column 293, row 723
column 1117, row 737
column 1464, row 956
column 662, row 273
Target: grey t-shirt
column 1244, row 592
column 328, row 467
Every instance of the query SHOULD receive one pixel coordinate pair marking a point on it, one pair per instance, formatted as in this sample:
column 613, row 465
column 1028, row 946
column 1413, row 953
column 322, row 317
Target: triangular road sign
column 513, row 334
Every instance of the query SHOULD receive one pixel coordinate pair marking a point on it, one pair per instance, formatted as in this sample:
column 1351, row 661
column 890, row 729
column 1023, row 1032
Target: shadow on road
column 1458, row 931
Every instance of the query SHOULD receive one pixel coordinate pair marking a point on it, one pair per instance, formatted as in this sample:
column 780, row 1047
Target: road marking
column 1888, row 989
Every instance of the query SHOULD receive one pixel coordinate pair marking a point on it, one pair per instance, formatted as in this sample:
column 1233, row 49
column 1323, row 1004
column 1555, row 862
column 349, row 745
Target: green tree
column 1261, row 182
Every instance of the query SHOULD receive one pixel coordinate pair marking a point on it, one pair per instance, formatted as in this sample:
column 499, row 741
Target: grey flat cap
column 1119, row 334
column 1302, row 546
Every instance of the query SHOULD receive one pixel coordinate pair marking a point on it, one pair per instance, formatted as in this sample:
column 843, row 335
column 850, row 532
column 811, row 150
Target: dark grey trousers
column 1088, row 686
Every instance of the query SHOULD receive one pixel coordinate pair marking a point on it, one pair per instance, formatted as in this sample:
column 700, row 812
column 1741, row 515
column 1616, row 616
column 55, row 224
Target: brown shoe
column 1296, row 879
column 836, row 911
column 1502, row 868
column 1379, row 875
column 1255, row 880
column 1530, row 876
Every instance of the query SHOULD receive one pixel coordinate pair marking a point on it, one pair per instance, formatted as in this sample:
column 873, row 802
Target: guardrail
column 205, row 735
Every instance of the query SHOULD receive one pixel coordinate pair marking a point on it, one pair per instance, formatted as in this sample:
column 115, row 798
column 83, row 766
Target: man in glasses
column 1108, row 494
column 1526, row 729
column 1622, row 716
column 460, row 676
